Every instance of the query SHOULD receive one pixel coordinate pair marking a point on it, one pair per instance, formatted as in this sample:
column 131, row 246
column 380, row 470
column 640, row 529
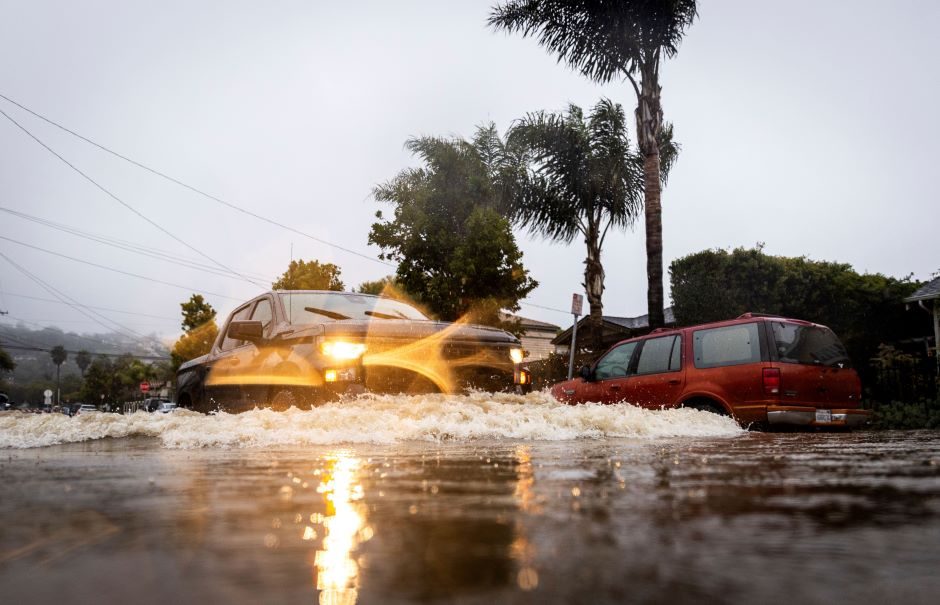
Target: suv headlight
column 340, row 350
column 516, row 355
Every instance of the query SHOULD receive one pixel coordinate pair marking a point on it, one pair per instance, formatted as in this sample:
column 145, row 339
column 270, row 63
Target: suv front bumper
column 804, row 416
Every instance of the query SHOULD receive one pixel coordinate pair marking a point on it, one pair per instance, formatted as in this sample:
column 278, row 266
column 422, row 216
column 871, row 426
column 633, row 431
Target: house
column 537, row 339
column 928, row 299
column 614, row 329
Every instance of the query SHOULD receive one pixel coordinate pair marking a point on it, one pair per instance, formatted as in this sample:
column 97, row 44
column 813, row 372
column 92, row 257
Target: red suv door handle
column 675, row 381
column 615, row 387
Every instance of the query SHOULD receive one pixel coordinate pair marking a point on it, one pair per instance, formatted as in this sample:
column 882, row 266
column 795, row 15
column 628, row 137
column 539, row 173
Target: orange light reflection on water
column 337, row 573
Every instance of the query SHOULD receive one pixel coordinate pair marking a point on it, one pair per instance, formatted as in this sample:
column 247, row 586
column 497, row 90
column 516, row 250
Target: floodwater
column 475, row 499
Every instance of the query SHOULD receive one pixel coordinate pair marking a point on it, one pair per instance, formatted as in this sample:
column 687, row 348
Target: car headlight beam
column 341, row 350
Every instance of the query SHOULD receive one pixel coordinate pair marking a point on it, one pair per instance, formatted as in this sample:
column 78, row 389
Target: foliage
column 864, row 310
column 58, row 355
column 388, row 287
column 117, row 380
column 579, row 177
column 196, row 312
column 83, row 360
column 6, row 362
column 456, row 254
column 201, row 332
column 195, row 343
column 310, row 275
column 606, row 40
column 923, row 414
column 554, row 369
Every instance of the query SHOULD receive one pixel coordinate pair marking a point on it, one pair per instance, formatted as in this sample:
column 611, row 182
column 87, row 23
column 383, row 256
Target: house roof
column 625, row 325
column 532, row 324
column 930, row 290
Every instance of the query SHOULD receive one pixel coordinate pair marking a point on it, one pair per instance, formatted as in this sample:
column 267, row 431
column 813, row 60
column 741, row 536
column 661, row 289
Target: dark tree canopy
column 6, row 362
column 58, row 354
column 201, row 331
column 456, row 254
column 309, row 275
column 864, row 310
column 83, row 360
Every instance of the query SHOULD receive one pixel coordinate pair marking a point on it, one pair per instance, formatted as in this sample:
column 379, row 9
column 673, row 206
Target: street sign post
column 144, row 387
column 577, row 304
column 47, row 397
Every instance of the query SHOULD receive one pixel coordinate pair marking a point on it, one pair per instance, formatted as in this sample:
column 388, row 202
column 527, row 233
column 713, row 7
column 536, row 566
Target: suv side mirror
column 586, row 373
column 249, row 330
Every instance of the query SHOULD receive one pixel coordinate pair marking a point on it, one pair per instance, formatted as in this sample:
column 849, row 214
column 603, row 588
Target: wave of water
column 373, row 419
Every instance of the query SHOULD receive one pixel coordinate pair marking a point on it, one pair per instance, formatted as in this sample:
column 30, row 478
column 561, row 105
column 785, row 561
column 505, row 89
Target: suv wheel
column 285, row 399
column 706, row 406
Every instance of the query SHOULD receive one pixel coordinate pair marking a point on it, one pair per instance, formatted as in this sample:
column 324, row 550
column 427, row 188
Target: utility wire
column 71, row 334
column 74, row 303
column 189, row 187
column 112, row 269
column 208, row 195
column 96, row 354
column 124, row 245
column 59, row 302
column 125, row 204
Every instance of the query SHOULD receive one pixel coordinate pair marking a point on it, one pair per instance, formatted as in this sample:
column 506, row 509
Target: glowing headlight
column 341, row 350
column 516, row 355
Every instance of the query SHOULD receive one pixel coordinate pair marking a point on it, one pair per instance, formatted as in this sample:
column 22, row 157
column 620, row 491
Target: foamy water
column 373, row 419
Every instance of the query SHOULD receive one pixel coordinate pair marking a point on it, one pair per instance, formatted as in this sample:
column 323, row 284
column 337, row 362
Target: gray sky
column 809, row 126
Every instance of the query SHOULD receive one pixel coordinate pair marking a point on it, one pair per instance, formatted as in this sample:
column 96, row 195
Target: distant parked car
column 152, row 403
column 84, row 408
column 166, row 407
column 303, row 347
column 756, row 368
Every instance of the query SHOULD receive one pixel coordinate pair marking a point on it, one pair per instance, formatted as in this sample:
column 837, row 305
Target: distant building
column 614, row 329
column 928, row 299
column 538, row 336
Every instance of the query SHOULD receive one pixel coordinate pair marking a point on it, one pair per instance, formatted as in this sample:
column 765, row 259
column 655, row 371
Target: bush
column 924, row 414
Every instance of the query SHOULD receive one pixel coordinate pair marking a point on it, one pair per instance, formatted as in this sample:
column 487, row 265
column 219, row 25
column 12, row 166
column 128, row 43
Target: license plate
column 823, row 415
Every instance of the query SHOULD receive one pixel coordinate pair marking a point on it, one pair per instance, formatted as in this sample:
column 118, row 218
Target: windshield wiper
column 380, row 315
column 325, row 313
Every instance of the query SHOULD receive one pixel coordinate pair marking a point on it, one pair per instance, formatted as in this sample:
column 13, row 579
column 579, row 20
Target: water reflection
column 337, row 573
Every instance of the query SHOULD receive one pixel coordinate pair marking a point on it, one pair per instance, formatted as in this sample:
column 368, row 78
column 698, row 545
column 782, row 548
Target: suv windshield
column 811, row 345
column 317, row 307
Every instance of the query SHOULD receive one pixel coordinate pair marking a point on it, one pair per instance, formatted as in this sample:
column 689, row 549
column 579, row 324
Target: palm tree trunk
column 594, row 287
column 649, row 122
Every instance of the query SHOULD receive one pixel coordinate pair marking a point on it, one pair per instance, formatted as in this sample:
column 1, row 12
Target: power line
column 72, row 302
column 96, row 354
column 112, row 269
column 70, row 334
column 187, row 186
column 122, row 202
column 59, row 302
column 124, row 245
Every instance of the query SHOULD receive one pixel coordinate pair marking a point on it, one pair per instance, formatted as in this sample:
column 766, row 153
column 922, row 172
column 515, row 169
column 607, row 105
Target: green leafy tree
column 196, row 312
column 580, row 179
column 388, row 286
column 606, row 40
column 201, row 331
column 456, row 253
column 864, row 310
column 59, row 355
column 83, row 360
column 6, row 362
column 310, row 275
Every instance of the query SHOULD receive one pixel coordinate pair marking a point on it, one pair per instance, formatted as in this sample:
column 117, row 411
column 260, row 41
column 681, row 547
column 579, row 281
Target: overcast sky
column 810, row 126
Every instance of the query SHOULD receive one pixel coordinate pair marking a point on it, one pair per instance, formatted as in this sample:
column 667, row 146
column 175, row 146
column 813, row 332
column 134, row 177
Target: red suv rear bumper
column 806, row 416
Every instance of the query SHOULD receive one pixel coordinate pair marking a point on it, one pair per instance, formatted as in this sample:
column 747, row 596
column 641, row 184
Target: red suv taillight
column 771, row 381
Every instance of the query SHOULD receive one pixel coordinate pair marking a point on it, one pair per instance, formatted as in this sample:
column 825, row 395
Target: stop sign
column 144, row 387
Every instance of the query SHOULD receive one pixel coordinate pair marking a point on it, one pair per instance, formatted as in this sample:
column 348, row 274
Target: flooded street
column 462, row 500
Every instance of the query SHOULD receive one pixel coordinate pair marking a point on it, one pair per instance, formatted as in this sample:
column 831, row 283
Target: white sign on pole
column 577, row 302
column 47, row 395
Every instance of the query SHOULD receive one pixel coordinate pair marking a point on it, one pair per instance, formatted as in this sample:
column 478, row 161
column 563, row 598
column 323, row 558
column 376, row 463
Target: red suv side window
column 726, row 346
column 659, row 355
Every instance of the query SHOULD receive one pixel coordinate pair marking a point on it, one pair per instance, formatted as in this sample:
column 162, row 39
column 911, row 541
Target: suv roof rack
column 749, row 315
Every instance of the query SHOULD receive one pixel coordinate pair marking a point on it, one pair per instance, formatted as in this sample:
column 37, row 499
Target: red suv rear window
column 810, row 345
column 726, row 346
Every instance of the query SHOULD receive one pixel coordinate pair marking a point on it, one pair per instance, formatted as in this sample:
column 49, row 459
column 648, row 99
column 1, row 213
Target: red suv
column 757, row 368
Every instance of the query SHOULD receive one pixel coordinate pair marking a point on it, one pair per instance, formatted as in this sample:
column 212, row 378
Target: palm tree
column 604, row 40
column 579, row 177
column 59, row 355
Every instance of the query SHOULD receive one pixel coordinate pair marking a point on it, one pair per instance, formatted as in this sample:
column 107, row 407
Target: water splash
column 373, row 419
